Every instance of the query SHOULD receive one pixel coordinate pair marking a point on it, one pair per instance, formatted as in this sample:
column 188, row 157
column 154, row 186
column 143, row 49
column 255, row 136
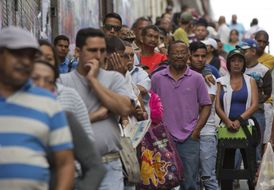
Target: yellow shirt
column 267, row 60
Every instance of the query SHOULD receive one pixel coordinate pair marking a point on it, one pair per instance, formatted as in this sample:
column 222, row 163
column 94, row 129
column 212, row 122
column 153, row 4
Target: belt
column 110, row 157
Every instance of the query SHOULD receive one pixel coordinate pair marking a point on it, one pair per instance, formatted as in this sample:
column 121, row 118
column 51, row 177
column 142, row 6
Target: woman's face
column 48, row 54
column 236, row 64
column 234, row 37
column 43, row 76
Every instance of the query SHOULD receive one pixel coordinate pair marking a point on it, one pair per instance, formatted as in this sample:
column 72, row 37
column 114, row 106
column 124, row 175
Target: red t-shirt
column 153, row 61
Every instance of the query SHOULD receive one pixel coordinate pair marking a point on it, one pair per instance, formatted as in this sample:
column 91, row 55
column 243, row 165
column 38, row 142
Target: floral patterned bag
column 161, row 167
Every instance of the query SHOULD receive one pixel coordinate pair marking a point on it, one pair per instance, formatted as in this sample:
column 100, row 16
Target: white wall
column 130, row 10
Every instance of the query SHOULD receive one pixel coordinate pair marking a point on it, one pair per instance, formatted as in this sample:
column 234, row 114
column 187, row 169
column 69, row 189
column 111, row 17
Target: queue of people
column 60, row 117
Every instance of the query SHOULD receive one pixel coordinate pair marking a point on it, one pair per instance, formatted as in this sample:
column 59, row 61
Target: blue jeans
column 208, row 155
column 114, row 178
column 189, row 152
column 259, row 116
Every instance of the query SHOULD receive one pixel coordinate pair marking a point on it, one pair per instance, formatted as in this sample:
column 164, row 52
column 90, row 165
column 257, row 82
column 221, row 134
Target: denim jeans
column 259, row 116
column 114, row 178
column 189, row 152
column 208, row 155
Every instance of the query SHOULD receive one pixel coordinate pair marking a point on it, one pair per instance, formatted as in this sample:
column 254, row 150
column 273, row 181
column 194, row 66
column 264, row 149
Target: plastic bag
column 161, row 167
column 266, row 175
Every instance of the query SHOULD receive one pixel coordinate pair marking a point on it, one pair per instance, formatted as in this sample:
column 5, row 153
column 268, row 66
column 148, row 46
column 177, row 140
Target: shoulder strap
column 70, row 64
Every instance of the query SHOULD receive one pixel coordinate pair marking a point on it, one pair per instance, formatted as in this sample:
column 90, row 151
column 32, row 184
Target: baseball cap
column 13, row 37
column 186, row 17
column 247, row 44
column 210, row 41
column 128, row 35
column 235, row 52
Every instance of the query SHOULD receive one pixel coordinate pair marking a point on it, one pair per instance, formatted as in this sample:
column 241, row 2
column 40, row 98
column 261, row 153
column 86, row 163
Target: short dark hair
column 85, row 33
column 60, row 37
column 47, row 43
column 201, row 22
column 262, row 33
column 114, row 44
column 134, row 25
column 153, row 27
column 112, row 15
column 194, row 46
column 173, row 43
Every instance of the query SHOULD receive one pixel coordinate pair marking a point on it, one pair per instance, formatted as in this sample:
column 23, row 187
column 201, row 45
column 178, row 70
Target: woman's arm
column 218, row 106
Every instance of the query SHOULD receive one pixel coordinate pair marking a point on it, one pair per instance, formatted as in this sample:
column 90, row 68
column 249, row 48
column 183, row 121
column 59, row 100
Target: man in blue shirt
column 61, row 44
column 32, row 123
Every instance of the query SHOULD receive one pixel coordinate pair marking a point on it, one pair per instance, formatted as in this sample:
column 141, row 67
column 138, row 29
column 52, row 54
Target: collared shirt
column 140, row 77
column 181, row 100
column 65, row 66
column 31, row 124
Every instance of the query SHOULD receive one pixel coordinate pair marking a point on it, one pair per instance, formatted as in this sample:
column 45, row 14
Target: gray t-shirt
column 107, row 132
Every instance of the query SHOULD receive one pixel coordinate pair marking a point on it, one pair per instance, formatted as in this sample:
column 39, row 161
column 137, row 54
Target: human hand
column 195, row 134
column 92, row 67
column 231, row 126
column 209, row 79
column 236, row 124
column 115, row 63
column 139, row 113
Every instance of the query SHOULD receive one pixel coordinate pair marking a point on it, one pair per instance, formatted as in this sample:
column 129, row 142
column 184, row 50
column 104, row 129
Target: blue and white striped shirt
column 31, row 123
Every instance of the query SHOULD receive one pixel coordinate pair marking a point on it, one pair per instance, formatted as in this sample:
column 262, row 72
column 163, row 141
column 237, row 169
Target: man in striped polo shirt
column 32, row 123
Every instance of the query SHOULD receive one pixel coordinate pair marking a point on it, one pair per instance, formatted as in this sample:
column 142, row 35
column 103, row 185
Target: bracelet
column 240, row 119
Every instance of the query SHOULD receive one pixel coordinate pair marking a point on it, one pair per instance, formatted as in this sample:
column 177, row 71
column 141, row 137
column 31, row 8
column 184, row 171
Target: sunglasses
column 109, row 27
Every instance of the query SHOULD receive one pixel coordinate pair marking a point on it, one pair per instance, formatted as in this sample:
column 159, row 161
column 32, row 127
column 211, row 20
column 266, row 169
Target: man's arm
column 204, row 114
column 267, row 86
column 100, row 114
column 115, row 102
column 64, row 169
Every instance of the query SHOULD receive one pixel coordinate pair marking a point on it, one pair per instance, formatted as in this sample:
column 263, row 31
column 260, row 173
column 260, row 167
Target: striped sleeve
column 60, row 136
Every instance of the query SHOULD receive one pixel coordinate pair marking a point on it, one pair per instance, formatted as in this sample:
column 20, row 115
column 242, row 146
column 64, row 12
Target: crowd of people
column 60, row 115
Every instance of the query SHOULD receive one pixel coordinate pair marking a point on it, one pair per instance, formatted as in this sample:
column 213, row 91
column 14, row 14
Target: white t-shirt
column 210, row 128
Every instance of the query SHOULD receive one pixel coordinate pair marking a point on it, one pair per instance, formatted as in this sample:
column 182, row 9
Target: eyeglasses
column 110, row 26
column 128, row 55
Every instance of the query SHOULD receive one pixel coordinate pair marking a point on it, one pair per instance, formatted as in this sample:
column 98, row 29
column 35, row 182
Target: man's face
column 128, row 57
column 151, row 39
column 140, row 26
column 198, row 59
column 249, row 54
column 112, row 27
column 178, row 55
column 200, row 32
column 16, row 66
column 62, row 48
column 43, row 76
column 95, row 48
column 262, row 42
column 165, row 23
